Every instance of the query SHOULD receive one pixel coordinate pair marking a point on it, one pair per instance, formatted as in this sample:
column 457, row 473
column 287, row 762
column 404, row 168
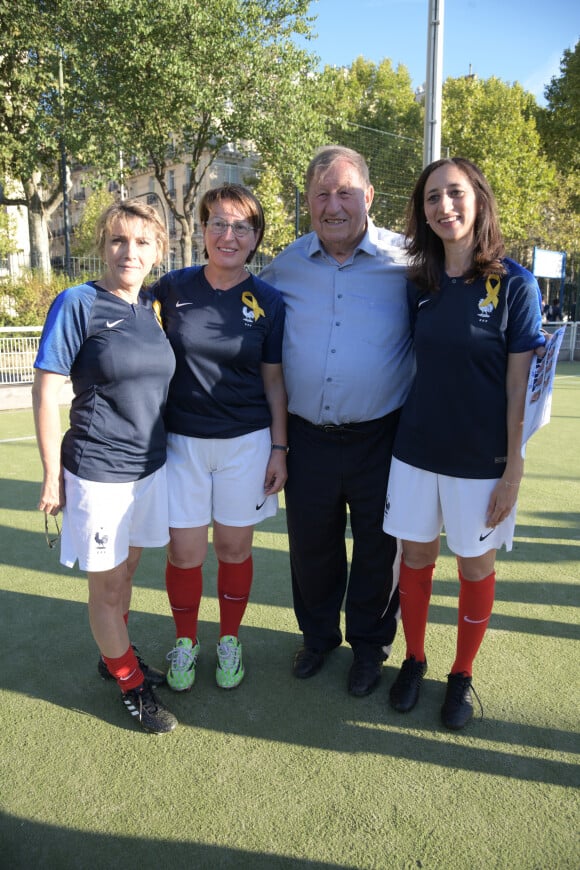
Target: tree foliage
column 560, row 125
column 84, row 238
column 494, row 125
column 280, row 221
column 175, row 79
column 27, row 297
column 372, row 108
column 8, row 243
column 193, row 77
column 31, row 114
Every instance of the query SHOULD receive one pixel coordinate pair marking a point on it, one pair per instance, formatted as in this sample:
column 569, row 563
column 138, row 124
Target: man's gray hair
column 326, row 156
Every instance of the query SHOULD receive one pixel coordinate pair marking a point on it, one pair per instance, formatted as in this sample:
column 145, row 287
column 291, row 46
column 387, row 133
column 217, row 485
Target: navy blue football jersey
column 120, row 364
column 454, row 419
column 220, row 339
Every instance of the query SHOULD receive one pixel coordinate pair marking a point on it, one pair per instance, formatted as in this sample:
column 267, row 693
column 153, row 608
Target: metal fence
column 18, row 348
column 77, row 267
column 19, row 345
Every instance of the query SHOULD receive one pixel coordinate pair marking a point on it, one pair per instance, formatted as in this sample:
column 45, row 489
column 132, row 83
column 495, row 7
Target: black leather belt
column 337, row 428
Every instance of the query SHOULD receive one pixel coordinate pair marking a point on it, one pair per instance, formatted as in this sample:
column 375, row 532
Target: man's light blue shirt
column 347, row 352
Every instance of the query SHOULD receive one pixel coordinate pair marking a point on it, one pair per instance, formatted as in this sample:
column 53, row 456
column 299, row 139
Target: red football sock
column 184, row 587
column 475, row 606
column 125, row 670
column 234, row 584
column 415, row 585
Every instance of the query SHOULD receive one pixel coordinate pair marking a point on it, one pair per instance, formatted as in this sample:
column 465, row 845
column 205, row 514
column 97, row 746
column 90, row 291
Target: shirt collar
column 368, row 243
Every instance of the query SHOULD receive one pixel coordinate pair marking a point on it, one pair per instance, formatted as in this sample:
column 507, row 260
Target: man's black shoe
column 404, row 693
column 307, row 662
column 364, row 676
column 152, row 675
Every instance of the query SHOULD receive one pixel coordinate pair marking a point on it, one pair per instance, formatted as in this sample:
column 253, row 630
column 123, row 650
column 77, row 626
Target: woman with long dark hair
column 457, row 458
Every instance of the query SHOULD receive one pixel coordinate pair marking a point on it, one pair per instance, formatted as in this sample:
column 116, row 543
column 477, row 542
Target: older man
column 348, row 364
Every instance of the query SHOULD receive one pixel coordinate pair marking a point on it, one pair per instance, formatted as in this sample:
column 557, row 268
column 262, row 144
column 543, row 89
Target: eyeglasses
column 240, row 230
column 51, row 539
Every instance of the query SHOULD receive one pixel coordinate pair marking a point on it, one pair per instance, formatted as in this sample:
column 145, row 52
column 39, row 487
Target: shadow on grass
column 270, row 705
column 27, row 550
column 442, row 615
column 19, row 494
column 519, row 591
column 272, row 587
column 27, row 844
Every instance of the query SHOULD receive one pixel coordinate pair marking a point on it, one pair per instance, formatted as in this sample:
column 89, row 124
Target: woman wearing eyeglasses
column 108, row 472
column 226, row 421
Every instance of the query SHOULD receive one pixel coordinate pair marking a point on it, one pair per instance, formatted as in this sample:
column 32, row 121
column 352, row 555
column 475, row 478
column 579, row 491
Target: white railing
column 19, row 345
column 18, row 348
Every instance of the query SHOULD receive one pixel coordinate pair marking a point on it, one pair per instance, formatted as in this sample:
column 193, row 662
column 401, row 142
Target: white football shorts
column 102, row 520
column 219, row 478
column 420, row 504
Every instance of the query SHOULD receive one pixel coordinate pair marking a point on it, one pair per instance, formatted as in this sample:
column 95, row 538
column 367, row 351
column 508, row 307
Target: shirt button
column 333, row 350
column 329, row 379
column 339, row 296
column 338, row 322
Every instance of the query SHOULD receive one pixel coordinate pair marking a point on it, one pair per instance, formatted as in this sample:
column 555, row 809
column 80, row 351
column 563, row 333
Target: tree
column 560, row 124
column 8, row 244
column 372, row 108
column 280, row 221
column 192, row 77
column 494, row 125
column 84, row 239
column 175, row 79
column 30, row 116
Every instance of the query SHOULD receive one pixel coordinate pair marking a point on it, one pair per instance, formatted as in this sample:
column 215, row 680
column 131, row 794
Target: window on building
column 231, row 173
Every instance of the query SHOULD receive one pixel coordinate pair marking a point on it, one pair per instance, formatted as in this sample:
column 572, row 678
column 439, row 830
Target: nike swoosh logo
column 423, row 302
column 181, row 304
column 475, row 621
column 260, row 506
column 112, row 323
column 128, row 677
column 483, row 537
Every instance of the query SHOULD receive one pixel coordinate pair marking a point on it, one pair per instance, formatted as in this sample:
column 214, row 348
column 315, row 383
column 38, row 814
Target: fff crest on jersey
column 251, row 311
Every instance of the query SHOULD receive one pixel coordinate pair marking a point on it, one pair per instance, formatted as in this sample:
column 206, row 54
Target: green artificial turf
column 282, row 773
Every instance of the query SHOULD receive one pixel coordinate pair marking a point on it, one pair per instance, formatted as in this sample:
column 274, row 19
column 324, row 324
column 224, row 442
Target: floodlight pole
column 434, row 82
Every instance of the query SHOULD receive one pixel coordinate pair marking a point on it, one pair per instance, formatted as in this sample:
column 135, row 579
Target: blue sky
column 514, row 40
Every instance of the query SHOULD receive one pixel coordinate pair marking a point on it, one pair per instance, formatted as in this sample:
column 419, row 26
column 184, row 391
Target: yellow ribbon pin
column 250, row 300
column 492, row 285
column 157, row 311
